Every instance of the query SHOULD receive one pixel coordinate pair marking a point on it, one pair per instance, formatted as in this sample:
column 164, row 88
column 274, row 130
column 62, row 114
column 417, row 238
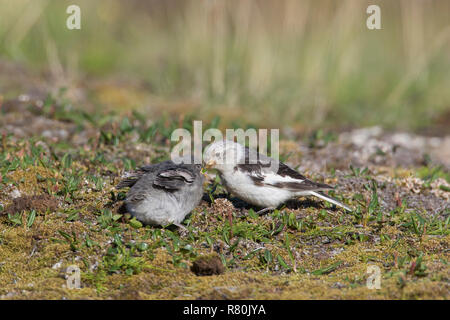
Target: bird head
column 223, row 155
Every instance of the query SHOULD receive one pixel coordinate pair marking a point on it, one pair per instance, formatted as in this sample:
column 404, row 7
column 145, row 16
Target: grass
column 121, row 85
column 303, row 64
column 311, row 251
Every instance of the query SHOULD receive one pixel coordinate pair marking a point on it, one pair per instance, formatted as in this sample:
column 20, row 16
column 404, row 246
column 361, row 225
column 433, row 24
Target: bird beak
column 210, row 164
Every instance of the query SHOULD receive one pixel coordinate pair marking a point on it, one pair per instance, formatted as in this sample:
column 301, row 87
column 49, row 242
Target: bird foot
column 265, row 210
column 183, row 228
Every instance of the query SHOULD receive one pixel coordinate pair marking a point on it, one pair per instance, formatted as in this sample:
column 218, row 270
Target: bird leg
column 213, row 188
column 263, row 211
column 210, row 193
column 179, row 225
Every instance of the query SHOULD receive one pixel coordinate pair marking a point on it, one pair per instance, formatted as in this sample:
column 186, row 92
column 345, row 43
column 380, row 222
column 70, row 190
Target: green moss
column 306, row 252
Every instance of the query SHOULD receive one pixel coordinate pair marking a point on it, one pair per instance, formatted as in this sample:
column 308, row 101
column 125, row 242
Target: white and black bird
column 258, row 179
column 163, row 193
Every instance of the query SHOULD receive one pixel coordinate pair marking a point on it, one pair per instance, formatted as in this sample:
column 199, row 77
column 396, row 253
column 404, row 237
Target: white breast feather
column 240, row 184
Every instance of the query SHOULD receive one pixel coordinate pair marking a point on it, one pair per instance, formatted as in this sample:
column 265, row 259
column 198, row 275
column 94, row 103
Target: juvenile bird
column 163, row 193
column 258, row 179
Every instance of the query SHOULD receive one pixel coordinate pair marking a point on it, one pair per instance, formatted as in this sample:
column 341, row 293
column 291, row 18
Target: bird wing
column 174, row 178
column 262, row 173
column 134, row 176
column 131, row 178
column 288, row 178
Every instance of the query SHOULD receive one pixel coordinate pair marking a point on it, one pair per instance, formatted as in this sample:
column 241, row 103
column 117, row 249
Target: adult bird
column 258, row 179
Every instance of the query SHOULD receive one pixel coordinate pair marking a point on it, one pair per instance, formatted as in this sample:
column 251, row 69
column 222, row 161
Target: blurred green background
column 292, row 63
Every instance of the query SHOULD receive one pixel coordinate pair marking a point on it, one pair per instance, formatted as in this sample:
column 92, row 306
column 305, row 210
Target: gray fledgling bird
column 163, row 193
column 260, row 180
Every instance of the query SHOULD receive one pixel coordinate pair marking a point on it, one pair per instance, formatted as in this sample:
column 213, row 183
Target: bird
column 163, row 193
column 258, row 179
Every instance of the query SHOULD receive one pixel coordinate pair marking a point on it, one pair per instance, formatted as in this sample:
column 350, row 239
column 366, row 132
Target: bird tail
column 329, row 199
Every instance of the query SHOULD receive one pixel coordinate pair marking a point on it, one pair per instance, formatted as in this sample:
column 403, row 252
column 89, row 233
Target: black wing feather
column 131, row 180
column 174, row 179
column 255, row 171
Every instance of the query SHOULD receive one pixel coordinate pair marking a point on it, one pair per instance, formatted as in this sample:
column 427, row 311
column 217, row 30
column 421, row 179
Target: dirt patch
column 208, row 265
column 223, row 207
column 40, row 203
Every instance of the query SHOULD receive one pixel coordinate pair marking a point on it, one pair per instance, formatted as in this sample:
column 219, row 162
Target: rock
column 14, row 194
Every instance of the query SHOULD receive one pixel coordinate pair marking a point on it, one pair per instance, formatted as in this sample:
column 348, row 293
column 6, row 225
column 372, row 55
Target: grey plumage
column 163, row 193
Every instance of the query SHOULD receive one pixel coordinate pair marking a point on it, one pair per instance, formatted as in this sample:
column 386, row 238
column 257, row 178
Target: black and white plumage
column 163, row 193
column 260, row 180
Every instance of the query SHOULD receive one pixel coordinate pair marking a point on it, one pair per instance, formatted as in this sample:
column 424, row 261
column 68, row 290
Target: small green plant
column 122, row 259
column 328, row 269
column 15, row 219
column 359, row 172
column 430, row 174
column 108, row 220
column 71, row 239
column 418, row 267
